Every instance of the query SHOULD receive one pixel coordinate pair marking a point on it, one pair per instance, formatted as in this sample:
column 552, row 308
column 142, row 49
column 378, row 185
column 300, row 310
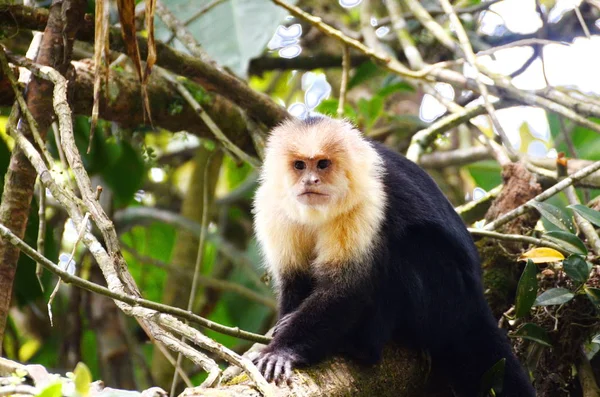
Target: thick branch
column 122, row 104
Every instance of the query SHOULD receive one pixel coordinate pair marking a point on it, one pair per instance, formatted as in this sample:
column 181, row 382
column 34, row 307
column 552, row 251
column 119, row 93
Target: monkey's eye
column 299, row 165
column 322, row 164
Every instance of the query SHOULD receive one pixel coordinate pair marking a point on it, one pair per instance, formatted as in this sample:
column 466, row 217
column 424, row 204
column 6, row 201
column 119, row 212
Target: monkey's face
column 315, row 172
column 316, row 180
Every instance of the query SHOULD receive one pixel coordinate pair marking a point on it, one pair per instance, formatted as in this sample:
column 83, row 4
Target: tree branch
column 509, row 216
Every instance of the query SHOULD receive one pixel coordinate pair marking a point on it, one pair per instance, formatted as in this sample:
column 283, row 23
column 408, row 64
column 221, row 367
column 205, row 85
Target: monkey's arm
column 310, row 332
column 294, row 288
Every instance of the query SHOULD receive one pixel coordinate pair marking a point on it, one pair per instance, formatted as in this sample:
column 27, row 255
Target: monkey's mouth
column 311, row 193
column 311, row 197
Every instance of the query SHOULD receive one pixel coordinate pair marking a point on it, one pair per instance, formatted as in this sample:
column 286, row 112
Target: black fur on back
column 423, row 289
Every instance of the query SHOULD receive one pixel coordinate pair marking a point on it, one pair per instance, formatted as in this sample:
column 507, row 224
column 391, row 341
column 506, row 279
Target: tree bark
column 64, row 19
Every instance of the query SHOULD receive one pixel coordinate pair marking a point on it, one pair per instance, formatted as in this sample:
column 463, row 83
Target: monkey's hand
column 277, row 364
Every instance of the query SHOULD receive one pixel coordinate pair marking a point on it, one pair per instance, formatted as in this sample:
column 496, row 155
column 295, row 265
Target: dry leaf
column 151, row 58
column 101, row 60
column 127, row 18
column 542, row 255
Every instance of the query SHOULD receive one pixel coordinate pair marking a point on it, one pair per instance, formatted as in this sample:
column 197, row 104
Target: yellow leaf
column 542, row 255
column 83, row 378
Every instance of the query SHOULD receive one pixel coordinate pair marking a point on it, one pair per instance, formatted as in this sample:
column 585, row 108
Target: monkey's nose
column 311, row 181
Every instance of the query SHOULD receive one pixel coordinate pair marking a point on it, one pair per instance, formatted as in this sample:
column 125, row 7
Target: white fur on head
column 293, row 234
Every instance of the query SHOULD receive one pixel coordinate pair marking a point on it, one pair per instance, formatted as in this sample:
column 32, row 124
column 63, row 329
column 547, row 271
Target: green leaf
column 329, row 107
column 593, row 295
column 493, row 379
column 596, row 338
column 577, row 268
column 370, row 109
column 533, row 332
column 126, row 175
column 526, row 290
column 53, row 390
column 554, row 215
column 486, row 174
column 83, row 379
column 402, row 86
column 591, row 215
column 585, row 140
column 232, row 33
column 363, row 73
column 554, row 296
column 568, row 241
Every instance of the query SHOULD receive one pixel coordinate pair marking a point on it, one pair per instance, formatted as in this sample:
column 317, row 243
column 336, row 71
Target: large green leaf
column 233, row 32
column 577, row 268
column 591, row 215
column 554, row 215
column 493, row 379
column 533, row 332
column 486, row 174
column 593, row 295
column 568, row 241
column 554, row 296
column 586, row 142
column 526, row 290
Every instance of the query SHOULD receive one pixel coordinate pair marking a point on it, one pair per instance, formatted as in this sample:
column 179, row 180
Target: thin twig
column 387, row 61
column 231, row 357
column 199, row 259
column 470, row 57
column 126, row 298
column 41, row 239
column 209, row 282
column 5, row 67
column 454, row 158
column 582, row 22
column 212, row 126
column 415, row 60
column 344, row 82
column 82, row 230
column 430, row 24
column 438, row 11
column 584, row 225
column 517, row 237
column 560, row 186
column 425, row 137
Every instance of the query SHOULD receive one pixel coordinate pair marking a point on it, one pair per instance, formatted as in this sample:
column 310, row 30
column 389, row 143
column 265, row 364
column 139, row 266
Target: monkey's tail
column 477, row 351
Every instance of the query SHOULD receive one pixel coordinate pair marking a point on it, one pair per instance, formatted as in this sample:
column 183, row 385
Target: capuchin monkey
column 364, row 248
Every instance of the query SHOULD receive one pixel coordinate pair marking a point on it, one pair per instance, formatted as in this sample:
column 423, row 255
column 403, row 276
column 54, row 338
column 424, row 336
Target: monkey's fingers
column 269, row 368
column 288, row 372
column 261, row 362
column 279, row 368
